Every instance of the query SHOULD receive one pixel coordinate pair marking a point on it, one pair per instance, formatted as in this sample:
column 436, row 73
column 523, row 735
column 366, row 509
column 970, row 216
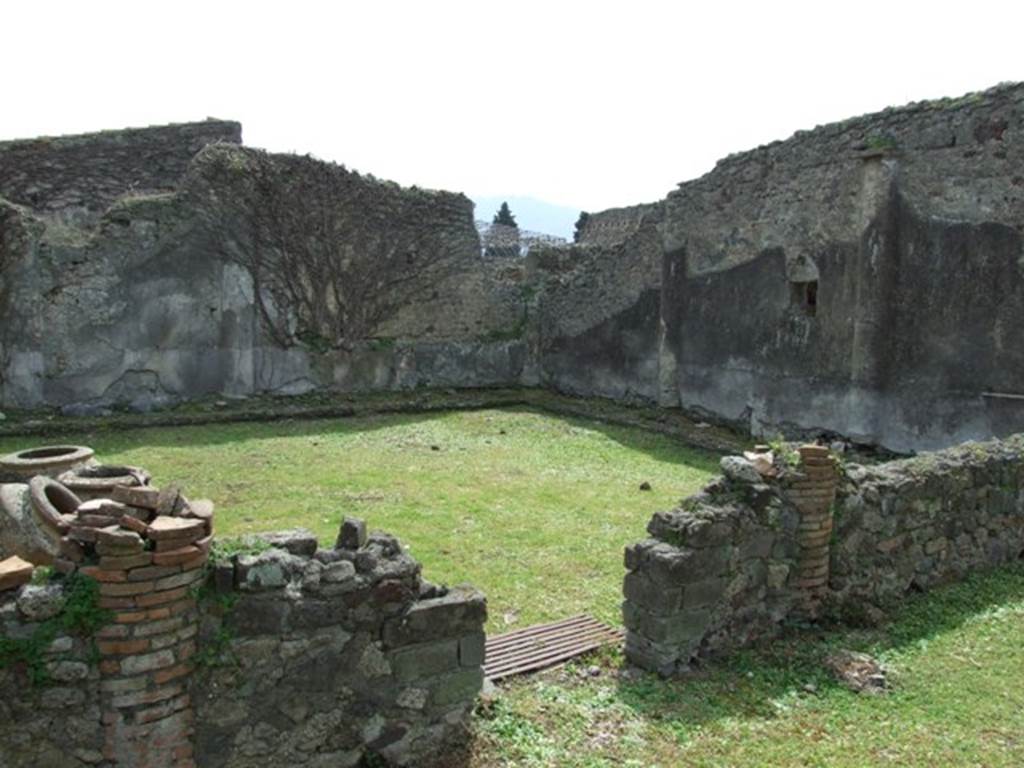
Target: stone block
column 462, row 611
column 472, row 650
column 656, row 598
column 706, row 592
column 309, row 614
column 14, row 572
column 144, row 496
column 295, row 541
column 135, row 665
column 456, row 687
column 41, row 602
column 684, row 628
column 425, row 660
column 166, row 528
column 352, row 534
column 757, row 543
column 260, row 616
column 659, row 658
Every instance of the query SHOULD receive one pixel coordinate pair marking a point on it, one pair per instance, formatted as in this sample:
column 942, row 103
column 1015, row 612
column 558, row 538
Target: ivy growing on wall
column 81, row 616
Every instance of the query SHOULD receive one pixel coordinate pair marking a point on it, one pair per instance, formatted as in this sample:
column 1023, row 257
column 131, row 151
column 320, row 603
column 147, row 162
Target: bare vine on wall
column 332, row 255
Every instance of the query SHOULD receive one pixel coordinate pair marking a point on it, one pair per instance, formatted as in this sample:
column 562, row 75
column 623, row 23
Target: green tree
column 581, row 222
column 504, row 216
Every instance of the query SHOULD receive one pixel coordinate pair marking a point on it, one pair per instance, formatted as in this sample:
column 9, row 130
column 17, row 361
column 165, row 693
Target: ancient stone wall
column 336, row 654
column 80, row 176
column 804, row 537
column 858, row 278
column 596, row 318
column 144, row 308
column 615, row 225
column 862, row 278
column 142, row 652
column 59, row 722
column 914, row 523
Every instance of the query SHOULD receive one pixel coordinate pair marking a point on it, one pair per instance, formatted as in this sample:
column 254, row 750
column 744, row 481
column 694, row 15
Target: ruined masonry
column 801, row 536
column 859, row 278
column 292, row 654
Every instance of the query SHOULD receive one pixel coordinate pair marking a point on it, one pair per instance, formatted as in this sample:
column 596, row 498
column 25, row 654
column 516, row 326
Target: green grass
column 956, row 661
column 533, row 509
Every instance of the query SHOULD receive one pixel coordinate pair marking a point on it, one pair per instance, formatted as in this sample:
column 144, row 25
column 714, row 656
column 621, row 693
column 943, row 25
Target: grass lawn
column 955, row 659
column 534, row 509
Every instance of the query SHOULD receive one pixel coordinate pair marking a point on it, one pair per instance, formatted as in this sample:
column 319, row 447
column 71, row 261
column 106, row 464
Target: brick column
column 148, row 564
column 812, row 492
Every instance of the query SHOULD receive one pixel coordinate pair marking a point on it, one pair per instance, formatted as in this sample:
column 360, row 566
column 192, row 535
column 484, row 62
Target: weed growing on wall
column 81, row 616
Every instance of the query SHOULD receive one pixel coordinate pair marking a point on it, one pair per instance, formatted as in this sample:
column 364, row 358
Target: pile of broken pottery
column 135, row 524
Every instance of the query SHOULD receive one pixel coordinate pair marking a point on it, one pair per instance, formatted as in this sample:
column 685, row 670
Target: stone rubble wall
column 80, row 176
column 139, row 309
column 911, row 524
column 858, row 279
column 909, row 223
column 335, row 655
column 289, row 655
column 726, row 568
column 58, row 725
column 596, row 314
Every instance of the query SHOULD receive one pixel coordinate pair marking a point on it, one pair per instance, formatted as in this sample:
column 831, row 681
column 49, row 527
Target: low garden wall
column 149, row 647
column 318, row 657
column 799, row 535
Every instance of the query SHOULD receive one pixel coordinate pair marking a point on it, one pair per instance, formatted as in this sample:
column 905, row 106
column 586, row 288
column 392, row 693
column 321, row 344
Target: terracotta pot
column 49, row 460
column 21, row 533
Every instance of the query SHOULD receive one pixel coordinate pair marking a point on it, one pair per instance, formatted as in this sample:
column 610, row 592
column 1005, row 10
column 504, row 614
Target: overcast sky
column 586, row 104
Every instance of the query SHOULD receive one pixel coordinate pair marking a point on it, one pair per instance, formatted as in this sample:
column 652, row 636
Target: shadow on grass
column 660, row 447
column 748, row 683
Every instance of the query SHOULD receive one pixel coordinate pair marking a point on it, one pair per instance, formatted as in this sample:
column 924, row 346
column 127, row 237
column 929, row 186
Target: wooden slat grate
column 545, row 645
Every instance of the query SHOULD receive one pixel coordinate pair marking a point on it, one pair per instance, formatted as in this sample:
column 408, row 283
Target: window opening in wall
column 804, row 296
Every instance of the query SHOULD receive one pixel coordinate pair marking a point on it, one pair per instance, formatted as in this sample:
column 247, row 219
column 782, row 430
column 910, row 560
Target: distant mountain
column 530, row 213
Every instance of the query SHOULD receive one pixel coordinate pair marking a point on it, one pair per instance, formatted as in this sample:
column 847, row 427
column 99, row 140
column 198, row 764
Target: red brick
column 116, row 603
column 153, row 572
column 166, row 528
column 127, row 589
column 113, row 631
column 175, row 556
column 126, row 563
column 122, row 647
column 169, row 545
column 182, row 606
column 102, row 574
column 130, row 617
column 133, row 523
column 196, row 562
column 171, row 673
column 159, row 598
column 110, row 667
column 135, row 496
column 182, row 579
